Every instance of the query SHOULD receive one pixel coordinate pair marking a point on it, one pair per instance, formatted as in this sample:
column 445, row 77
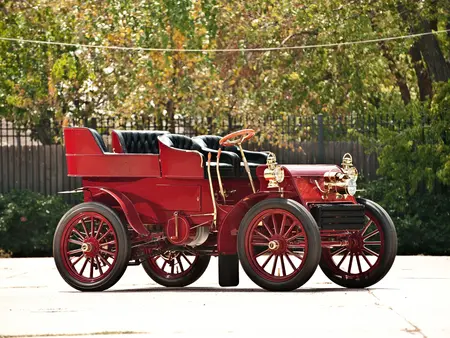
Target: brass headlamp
column 273, row 173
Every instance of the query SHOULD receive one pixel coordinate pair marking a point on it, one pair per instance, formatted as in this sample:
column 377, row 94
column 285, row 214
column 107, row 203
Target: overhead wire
column 225, row 50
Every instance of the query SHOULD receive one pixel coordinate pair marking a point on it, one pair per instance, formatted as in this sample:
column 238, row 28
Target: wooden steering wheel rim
column 249, row 133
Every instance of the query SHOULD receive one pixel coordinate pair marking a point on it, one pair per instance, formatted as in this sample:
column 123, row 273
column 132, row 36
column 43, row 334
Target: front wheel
column 91, row 248
column 175, row 268
column 279, row 244
column 370, row 252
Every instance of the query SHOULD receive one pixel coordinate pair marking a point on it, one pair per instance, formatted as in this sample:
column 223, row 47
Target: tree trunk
column 438, row 68
column 170, row 108
column 423, row 78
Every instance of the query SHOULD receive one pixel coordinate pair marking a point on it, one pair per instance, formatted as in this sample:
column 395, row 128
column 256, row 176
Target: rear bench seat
column 136, row 141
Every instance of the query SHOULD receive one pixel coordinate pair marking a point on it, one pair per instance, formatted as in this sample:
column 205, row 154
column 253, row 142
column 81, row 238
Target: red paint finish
column 80, row 141
column 309, row 169
column 178, row 163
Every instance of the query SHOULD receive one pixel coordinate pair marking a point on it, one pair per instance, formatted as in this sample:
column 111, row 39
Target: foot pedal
column 228, row 270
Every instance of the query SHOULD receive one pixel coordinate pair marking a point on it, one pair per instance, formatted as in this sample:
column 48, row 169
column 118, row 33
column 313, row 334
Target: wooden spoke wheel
column 175, row 268
column 91, row 247
column 369, row 254
column 279, row 244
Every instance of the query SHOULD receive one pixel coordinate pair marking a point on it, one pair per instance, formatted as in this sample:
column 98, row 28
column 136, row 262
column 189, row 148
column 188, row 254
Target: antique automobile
column 171, row 202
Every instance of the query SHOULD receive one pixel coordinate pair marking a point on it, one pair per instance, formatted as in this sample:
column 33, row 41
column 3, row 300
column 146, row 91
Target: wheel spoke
column 99, row 229
column 172, row 267
column 91, row 261
column 260, row 243
column 74, row 251
column 298, row 255
column 267, row 260
column 283, row 222
column 267, row 228
column 337, row 252
column 371, row 234
column 372, row 243
column 295, row 236
column 363, row 231
column 290, row 229
column 342, row 259
column 264, row 236
column 107, row 252
column 370, row 251
column 290, row 262
column 107, row 243
column 99, row 265
column 75, row 241
column 274, row 222
column 77, row 260
column 164, row 265
column 92, row 226
column 103, row 236
column 180, row 264
column 350, row 264
column 262, row 253
column 366, row 259
column 274, row 265
column 105, row 261
column 283, row 268
column 187, row 260
column 79, row 234
column 359, row 263
column 84, row 266
column 84, row 227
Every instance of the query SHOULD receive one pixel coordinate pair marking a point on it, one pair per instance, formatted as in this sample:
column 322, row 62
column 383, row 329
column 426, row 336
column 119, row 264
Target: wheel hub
column 90, row 247
column 277, row 245
column 274, row 245
column 86, row 247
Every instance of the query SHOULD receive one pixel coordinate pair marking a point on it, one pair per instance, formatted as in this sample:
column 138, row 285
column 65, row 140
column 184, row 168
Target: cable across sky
column 225, row 50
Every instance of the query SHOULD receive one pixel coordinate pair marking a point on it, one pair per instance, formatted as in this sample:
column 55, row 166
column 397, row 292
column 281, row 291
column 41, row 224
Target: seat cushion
column 180, row 142
column 139, row 141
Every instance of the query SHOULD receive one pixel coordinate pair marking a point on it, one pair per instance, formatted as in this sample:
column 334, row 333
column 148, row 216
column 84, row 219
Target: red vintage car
column 170, row 202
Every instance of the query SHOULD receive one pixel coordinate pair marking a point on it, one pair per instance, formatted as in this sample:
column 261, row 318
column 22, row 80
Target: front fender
column 228, row 230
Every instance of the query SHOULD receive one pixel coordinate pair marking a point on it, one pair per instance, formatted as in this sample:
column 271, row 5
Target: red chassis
column 170, row 202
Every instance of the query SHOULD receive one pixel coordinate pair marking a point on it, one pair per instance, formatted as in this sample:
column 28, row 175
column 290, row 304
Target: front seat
column 227, row 163
column 254, row 158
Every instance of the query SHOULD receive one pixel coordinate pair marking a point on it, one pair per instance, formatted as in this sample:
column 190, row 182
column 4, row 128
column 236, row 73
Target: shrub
column 28, row 221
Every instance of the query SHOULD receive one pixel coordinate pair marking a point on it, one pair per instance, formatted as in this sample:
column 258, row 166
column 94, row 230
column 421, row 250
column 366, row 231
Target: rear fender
column 125, row 204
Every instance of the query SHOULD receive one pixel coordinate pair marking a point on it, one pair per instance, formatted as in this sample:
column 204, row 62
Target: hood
column 302, row 170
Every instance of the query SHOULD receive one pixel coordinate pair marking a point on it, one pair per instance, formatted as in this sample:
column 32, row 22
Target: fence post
column 321, row 146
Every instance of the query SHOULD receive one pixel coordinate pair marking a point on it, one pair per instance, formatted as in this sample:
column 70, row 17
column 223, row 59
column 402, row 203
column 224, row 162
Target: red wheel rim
column 172, row 264
column 89, row 247
column 363, row 253
column 276, row 245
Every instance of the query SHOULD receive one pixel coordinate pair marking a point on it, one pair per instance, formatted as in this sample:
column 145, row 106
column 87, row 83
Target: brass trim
column 219, row 178
column 212, row 190
column 247, row 168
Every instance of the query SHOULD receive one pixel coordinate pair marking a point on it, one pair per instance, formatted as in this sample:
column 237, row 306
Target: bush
column 28, row 221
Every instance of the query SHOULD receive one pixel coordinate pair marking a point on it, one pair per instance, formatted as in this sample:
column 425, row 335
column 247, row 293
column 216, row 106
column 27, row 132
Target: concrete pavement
column 413, row 300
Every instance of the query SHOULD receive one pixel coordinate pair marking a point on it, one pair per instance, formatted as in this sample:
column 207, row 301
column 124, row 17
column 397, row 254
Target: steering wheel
column 237, row 137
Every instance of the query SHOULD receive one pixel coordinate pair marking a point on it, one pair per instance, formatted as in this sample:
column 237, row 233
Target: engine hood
column 302, row 170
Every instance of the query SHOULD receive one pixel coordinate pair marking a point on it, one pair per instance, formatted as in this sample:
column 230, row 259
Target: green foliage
column 28, row 221
column 421, row 220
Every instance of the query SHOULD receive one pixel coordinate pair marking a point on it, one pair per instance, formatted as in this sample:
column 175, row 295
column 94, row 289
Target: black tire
column 197, row 269
column 312, row 234
column 384, row 262
column 122, row 249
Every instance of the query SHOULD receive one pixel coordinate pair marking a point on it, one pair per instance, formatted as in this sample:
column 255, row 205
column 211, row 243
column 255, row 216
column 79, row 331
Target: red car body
column 173, row 200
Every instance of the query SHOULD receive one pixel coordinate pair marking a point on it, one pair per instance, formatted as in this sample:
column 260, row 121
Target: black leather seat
column 99, row 139
column 139, row 141
column 254, row 158
column 227, row 161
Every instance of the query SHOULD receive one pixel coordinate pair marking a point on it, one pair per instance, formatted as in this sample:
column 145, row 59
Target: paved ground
column 412, row 301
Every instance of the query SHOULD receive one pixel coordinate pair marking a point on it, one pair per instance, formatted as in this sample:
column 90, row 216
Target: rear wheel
column 279, row 244
column 175, row 268
column 369, row 255
column 91, row 248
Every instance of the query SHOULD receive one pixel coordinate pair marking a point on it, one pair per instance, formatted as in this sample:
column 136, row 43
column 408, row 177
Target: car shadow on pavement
column 237, row 290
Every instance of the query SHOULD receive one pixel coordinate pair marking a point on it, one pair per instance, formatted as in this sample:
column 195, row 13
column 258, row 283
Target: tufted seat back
column 139, row 141
column 180, row 142
column 99, row 139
